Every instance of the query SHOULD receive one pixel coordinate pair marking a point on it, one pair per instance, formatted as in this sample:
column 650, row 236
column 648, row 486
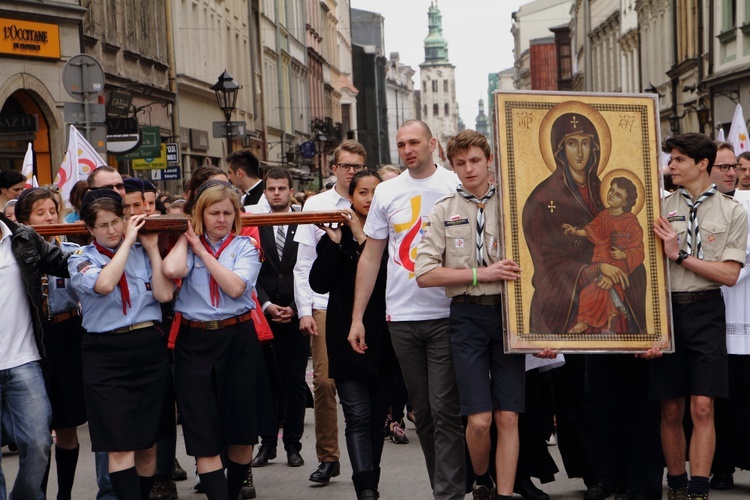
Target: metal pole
column 229, row 135
column 321, row 158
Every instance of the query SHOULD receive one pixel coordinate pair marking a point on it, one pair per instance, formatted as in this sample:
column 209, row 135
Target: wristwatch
column 680, row 257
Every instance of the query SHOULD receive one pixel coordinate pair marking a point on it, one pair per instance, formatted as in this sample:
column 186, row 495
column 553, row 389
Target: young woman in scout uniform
column 217, row 351
column 119, row 282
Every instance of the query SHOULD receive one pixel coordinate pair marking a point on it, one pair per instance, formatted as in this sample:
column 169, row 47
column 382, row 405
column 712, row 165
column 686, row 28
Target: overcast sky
column 478, row 34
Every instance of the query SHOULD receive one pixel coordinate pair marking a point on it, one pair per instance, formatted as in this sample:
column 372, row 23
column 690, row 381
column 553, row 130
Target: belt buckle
column 212, row 325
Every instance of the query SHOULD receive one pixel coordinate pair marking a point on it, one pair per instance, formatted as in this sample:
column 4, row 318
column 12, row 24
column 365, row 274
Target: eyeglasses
column 114, row 187
column 106, row 225
column 724, row 167
column 349, row 166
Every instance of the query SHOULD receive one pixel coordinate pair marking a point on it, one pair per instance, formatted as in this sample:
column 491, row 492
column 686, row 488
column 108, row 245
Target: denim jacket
column 35, row 257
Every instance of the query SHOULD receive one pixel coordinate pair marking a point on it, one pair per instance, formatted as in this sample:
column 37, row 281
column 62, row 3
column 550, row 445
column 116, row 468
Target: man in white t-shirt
column 417, row 318
column 348, row 159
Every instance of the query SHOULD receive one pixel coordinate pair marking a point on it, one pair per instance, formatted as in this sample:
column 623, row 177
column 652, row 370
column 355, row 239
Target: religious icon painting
column 581, row 189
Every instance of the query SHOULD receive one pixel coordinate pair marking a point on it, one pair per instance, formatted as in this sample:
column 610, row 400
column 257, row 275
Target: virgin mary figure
column 570, row 195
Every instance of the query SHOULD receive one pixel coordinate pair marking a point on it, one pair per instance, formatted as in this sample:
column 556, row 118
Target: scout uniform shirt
column 450, row 241
column 723, row 231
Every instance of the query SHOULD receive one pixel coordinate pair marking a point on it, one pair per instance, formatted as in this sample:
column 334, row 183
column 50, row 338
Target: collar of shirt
column 4, row 231
column 253, row 186
column 216, row 245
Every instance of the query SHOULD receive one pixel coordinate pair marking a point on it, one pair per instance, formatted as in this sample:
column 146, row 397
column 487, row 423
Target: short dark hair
column 630, row 190
column 107, row 204
column 745, row 155
column 77, row 193
column 244, row 159
column 724, row 145
column 425, row 127
column 92, row 176
column 10, row 178
column 696, row 146
column 280, row 173
column 465, row 140
column 199, row 177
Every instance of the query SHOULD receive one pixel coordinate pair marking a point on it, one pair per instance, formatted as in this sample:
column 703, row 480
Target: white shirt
column 17, row 344
column 399, row 212
column 736, row 298
column 308, row 236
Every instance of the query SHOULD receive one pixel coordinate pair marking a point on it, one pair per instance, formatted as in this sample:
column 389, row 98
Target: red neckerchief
column 213, row 285
column 123, row 283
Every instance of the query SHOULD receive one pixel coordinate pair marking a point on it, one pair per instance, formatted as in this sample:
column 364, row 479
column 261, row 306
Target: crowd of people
column 400, row 309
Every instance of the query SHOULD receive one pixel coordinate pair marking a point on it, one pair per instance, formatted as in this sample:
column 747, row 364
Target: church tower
column 439, row 106
column 482, row 122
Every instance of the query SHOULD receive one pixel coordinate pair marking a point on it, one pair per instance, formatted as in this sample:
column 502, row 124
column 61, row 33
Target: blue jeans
column 26, row 409
column 106, row 492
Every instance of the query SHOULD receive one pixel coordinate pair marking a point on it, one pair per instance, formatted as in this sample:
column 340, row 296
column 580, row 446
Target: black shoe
column 248, row 488
column 294, row 459
column 598, row 491
column 722, row 482
column 164, row 489
column 265, row 453
column 528, row 490
column 325, row 471
column 367, row 495
column 179, row 473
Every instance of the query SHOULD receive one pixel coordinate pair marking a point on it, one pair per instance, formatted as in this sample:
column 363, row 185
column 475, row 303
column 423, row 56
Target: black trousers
column 626, row 423
column 287, row 395
column 731, row 418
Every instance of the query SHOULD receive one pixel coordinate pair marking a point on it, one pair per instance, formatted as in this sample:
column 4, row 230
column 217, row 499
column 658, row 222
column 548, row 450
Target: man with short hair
column 743, row 171
column 276, row 295
column 243, row 170
column 106, row 177
column 461, row 252
column 705, row 236
column 417, row 318
column 724, row 171
column 348, row 158
column 134, row 202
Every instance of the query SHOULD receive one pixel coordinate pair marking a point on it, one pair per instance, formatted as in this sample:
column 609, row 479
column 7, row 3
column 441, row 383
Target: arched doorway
column 13, row 144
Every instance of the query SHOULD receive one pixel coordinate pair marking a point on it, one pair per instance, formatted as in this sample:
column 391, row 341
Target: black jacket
column 276, row 279
column 35, row 257
column 334, row 271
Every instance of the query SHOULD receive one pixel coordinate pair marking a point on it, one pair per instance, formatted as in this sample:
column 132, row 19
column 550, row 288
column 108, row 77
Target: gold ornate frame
column 629, row 144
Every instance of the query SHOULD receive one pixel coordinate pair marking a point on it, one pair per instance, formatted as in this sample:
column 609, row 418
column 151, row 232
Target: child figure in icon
column 618, row 240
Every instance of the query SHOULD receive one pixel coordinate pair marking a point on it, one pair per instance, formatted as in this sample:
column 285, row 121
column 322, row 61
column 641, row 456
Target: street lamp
column 704, row 115
column 226, row 96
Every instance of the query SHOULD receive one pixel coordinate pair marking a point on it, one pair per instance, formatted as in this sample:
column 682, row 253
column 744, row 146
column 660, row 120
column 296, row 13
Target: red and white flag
column 80, row 160
column 738, row 136
column 28, row 167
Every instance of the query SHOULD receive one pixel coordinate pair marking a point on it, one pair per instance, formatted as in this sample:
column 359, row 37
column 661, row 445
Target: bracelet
column 473, row 276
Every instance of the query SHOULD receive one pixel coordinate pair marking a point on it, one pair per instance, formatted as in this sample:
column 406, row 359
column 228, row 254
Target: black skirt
column 63, row 372
column 215, row 382
column 126, row 377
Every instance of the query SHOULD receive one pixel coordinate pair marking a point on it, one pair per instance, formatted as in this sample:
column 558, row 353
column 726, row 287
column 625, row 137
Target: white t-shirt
column 399, row 212
column 308, row 236
column 736, row 298
column 17, row 344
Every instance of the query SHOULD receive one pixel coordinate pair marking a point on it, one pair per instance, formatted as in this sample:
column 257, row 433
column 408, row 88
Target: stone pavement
column 403, row 473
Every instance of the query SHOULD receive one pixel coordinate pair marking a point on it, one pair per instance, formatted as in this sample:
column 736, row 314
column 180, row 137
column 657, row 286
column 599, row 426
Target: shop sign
column 160, row 162
column 29, row 39
column 18, row 123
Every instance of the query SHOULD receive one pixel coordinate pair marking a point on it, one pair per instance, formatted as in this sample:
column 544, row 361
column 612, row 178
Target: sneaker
column 698, row 496
column 398, row 434
column 248, row 488
column 164, row 489
column 179, row 474
column 677, row 494
column 481, row 492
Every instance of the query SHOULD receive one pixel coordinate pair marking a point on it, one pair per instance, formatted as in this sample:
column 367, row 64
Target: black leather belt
column 64, row 316
column 485, row 300
column 218, row 324
column 692, row 297
column 130, row 328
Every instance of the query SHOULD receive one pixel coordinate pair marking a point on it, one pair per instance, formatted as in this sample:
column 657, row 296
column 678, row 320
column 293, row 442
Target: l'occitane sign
column 29, row 39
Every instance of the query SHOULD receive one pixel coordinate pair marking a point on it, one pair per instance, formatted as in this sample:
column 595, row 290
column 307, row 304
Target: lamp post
column 226, row 96
column 320, row 139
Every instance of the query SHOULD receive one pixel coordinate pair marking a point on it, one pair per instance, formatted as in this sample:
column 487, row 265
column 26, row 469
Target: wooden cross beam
column 179, row 222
